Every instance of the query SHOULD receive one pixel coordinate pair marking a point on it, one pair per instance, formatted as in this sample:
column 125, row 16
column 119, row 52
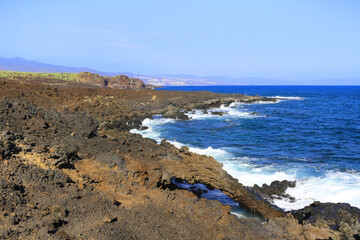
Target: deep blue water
column 313, row 139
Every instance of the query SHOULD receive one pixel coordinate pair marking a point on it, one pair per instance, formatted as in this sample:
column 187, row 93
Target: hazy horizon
column 293, row 41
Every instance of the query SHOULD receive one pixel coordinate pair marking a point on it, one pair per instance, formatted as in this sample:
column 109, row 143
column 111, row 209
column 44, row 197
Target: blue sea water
column 311, row 135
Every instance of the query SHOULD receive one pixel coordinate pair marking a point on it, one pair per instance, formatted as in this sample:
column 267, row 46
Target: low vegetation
column 11, row 75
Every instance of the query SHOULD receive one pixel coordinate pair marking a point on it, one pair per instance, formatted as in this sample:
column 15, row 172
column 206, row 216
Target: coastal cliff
column 70, row 169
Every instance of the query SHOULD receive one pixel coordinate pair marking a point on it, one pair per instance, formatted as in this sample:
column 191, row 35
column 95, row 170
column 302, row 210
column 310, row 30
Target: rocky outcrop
column 174, row 113
column 92, row 78
column 119, row 82
column 123, row 81
column 276, row 190
column 339, row 217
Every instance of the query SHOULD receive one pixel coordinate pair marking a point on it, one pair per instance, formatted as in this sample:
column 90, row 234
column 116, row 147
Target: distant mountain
column 23, row 65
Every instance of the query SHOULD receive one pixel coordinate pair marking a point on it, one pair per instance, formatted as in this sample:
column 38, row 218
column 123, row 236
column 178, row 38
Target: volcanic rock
column 276, row 190
column 337, row 216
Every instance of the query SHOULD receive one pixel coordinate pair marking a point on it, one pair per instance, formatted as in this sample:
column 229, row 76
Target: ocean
column 310, row 135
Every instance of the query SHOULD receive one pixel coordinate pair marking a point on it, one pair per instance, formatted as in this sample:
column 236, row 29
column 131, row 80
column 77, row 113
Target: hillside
column 85, row 79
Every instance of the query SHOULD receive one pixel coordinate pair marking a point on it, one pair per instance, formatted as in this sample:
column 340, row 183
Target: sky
column 257, row 38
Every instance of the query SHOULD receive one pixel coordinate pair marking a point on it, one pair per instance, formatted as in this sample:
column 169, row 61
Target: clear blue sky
column 289, row 39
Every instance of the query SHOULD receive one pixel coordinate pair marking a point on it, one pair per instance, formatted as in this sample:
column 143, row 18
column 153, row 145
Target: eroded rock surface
column 276, row 190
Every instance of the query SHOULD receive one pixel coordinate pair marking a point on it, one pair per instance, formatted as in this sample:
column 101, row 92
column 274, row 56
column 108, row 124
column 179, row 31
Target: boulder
column 339, row 217
column 276, row 190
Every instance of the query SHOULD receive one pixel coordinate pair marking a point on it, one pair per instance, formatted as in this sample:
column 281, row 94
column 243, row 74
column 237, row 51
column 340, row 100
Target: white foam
column 213, row 152
column 287, row 98
column 263, row 102
column 235, row 109
column 249, row 174
column 151, row 131
column 333, row 187
column 239, row 214
column 199, row 114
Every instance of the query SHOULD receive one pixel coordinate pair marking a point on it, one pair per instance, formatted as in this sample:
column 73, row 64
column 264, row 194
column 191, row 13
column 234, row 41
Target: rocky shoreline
column 70, row 169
